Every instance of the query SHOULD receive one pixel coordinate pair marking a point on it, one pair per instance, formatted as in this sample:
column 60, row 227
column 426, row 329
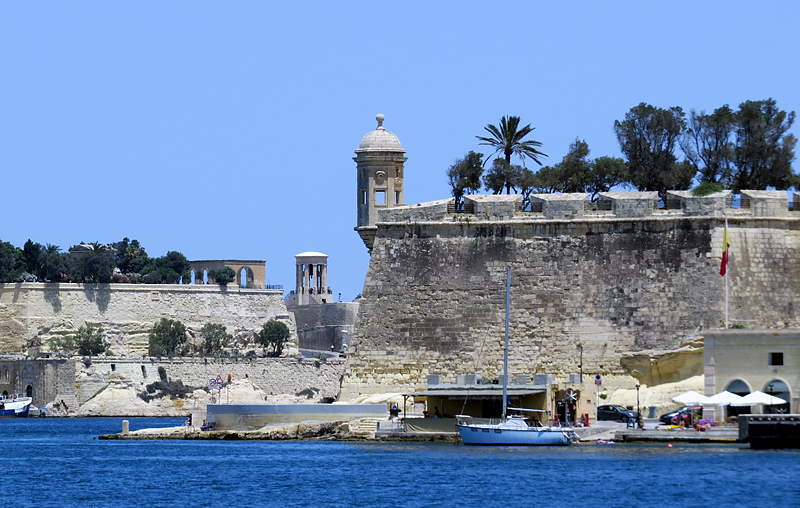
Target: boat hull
column 488, row 436
column 15, row 407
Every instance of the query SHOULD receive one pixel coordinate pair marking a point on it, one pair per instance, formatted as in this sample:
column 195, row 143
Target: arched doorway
column 778, row 388
column 741, row 388
column 29, row 391
column 246, row 278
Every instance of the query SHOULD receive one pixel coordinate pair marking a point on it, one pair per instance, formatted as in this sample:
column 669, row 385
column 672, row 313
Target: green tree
column 9, row 268
column 575, row 170
column 647, row 137
column 464, row 176
column 546, row 181
column 508, row 139
column 167, row 269
column 224, row 275
column 607, row 172
column 763, row 151
column 501, row 176
column 90, row 341
column 215, row 339
column 96, row 266
column 31, row 252
column 168, row 338
column 127, row 253
column 707, row 143
column 53, row 264
column 272, row 337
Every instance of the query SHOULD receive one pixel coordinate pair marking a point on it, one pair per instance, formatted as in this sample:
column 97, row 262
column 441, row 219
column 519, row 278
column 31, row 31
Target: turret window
column 380, row 197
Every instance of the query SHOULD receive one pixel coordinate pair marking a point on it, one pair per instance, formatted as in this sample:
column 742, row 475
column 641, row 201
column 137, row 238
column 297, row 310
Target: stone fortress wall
column 324, row 325
column 620, row 283
column 127, row 312
column 73, row 382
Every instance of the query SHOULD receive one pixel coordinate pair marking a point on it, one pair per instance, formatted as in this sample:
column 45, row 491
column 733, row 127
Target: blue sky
column 227, row 129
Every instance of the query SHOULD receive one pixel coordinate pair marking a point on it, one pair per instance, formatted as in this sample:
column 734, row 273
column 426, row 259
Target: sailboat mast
column 505, row 353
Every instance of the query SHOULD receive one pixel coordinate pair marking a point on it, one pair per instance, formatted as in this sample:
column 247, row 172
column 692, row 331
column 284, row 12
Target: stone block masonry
column 433, row 299
column 127, row 312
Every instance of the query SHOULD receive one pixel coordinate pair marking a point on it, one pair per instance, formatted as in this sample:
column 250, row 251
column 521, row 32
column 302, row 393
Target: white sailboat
column 511, row 430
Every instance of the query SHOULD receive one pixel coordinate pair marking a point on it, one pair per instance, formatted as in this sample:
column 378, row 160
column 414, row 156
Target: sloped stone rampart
column 433, row 299
column 127, row 312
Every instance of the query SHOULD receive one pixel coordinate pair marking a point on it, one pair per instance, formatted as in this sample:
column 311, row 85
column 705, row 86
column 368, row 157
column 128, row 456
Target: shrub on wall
column 90, row 341
column 272, row 337
column 168, row 338
column 215, row 339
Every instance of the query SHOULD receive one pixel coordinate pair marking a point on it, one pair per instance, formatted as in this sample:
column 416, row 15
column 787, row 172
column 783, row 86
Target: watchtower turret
column 379, row 160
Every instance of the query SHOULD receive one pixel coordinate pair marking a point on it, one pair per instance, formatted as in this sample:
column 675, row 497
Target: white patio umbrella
column 690, row 398
column 757, row 397
column 725, row 398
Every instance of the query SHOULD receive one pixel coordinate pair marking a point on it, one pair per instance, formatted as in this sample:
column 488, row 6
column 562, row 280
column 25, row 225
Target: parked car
column 615, row 413
column 666, row 418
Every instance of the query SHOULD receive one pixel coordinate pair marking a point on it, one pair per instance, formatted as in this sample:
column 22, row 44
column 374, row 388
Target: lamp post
column 638, row 413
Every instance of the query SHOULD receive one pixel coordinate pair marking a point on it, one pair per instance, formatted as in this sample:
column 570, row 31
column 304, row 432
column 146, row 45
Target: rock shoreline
column 311, row 431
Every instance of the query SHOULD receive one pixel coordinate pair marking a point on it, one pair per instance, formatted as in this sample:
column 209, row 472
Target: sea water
column 60, row 462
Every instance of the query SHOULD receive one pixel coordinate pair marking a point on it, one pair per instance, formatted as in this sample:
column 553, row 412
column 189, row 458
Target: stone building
column 619, row 287
column 742, row 361
column 255, row 272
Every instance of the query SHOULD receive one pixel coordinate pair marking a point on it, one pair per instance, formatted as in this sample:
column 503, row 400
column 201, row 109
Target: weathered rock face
column 127, row 312
column 434, row 296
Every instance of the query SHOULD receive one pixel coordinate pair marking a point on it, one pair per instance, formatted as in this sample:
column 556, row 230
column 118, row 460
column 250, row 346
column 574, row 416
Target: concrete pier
column 770, row 431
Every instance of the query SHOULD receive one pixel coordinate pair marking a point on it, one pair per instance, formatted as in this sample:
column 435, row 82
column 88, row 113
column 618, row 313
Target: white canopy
column 690, row 398
column 723, row 399
column 757, row 397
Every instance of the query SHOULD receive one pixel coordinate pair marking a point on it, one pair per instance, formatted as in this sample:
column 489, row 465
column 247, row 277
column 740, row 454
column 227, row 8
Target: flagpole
column 725, row 244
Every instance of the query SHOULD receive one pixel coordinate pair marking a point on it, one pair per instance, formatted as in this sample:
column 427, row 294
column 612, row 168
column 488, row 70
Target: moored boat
column 512, row 431
column 15, row 406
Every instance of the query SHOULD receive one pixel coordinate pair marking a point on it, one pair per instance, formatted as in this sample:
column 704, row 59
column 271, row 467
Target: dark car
column 666, row 418
column 615, row 413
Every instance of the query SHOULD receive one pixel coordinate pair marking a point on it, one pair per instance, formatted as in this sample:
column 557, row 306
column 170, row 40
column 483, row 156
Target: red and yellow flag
column 726, row 246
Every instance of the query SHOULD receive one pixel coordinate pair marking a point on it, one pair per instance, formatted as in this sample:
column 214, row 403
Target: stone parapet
column 560, row 206
column 703, row 206
column 766, row 203
column 628, row 204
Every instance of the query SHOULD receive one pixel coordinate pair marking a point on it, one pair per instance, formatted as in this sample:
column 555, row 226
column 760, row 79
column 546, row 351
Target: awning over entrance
column 474, row 394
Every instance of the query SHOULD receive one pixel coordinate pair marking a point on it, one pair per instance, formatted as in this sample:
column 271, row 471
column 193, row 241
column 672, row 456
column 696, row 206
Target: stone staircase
column 364, row 427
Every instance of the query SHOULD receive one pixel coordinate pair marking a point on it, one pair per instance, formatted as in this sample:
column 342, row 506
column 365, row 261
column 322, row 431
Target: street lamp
column 638, row 413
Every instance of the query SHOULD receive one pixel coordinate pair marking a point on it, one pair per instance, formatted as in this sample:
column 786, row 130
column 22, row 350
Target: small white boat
column 15, row 406
column 511, row 430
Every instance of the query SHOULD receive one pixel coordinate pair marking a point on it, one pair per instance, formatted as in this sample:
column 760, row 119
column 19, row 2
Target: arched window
column 777, row 388
column 738, row 387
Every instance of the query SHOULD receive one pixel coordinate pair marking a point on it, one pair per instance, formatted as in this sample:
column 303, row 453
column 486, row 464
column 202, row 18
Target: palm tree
column 508, row 139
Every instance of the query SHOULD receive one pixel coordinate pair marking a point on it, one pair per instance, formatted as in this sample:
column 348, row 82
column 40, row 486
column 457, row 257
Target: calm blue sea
column 59, row 462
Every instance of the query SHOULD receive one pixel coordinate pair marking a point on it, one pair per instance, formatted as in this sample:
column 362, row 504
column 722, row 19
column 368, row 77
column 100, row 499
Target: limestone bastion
column 127, row 312
column 621, row 283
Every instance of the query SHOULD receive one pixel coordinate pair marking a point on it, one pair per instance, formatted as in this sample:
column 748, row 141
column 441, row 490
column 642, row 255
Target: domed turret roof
column 380, row 140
